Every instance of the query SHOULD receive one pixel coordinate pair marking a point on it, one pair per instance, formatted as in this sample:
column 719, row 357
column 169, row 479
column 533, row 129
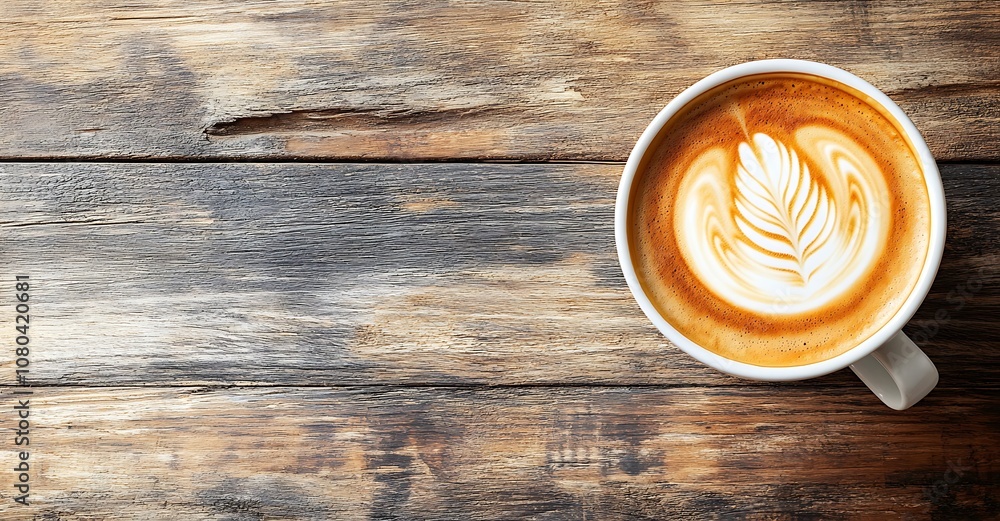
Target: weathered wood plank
column 433, row 80
column 219, row 274
column 543, row 453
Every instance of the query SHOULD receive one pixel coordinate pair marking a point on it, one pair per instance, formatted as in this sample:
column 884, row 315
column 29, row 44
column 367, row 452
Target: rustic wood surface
column 447, row 80
column 511, row 453
column 494, row 362
column 459, row 274
column 222, row 330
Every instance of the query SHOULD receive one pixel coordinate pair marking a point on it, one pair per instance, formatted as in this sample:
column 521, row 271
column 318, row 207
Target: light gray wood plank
column 297, row 274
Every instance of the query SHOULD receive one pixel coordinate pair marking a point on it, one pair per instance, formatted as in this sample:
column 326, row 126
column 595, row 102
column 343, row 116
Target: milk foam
column 789, row 225
column 779, row 220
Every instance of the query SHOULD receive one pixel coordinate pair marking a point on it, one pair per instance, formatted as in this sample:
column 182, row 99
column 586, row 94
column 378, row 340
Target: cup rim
column 935, row 251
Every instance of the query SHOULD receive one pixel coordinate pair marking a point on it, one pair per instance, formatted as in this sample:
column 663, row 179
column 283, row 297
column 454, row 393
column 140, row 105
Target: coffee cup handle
column 899, row 373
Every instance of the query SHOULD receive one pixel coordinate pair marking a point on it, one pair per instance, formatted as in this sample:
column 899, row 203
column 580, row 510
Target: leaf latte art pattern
column 783, row 213
column 770, row 233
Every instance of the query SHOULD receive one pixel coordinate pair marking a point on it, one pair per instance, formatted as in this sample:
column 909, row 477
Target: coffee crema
column 779, row 219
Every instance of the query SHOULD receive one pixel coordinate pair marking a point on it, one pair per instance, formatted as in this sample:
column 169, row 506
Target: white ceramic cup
column 888, row 362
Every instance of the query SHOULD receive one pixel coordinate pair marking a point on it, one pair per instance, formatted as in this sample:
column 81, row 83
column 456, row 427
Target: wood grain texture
column 458, row 274
column 444, row 80
column 247, row 341
column 544, row 454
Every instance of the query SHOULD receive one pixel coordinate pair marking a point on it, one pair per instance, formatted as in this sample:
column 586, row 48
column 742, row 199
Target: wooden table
column 354, row 260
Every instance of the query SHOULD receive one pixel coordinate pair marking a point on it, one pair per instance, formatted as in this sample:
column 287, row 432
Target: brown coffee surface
column 779, row 219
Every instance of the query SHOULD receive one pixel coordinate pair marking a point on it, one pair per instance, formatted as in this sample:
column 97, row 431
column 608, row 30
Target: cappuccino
column 779, row 219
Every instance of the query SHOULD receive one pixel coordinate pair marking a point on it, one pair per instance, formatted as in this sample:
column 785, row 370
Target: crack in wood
column 10, row 224
column 146, row 18
column 337, row 119
column 946, row 89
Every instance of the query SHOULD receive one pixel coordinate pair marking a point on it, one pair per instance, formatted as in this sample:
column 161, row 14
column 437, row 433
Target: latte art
column 768, row 234
column 779, row 219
